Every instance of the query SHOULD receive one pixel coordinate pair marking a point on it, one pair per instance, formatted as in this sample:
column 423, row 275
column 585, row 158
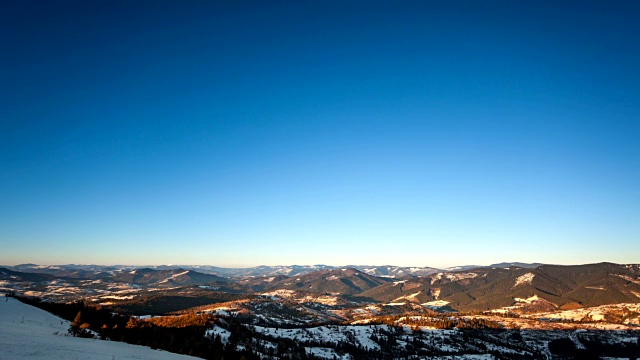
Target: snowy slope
column 27, row 332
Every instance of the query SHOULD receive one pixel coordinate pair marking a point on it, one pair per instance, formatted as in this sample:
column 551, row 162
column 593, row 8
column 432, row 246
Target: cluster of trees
column 179, row 337
column 619, row 317
column 438, row 321
column 180, row 321
column 596, row 345
column 290, row 313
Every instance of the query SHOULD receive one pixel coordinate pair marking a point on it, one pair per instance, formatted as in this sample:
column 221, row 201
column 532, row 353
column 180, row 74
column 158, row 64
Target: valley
column 538, row 311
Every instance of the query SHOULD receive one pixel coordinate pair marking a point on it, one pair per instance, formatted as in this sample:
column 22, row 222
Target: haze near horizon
column 274, row 133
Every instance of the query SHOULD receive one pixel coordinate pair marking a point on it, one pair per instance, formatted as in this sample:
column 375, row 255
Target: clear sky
column 233, row 133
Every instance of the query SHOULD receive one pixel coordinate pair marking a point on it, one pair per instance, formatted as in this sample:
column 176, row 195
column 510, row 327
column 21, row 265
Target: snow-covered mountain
column 84, row 271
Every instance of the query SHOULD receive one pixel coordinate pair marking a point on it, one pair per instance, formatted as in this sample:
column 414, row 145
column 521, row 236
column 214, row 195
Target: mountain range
column 390, row 271
column 507, row 286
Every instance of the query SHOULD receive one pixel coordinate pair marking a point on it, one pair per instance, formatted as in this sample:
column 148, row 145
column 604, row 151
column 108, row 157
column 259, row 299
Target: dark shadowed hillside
column 167, row 277
column 347, row 281
column 10, row 275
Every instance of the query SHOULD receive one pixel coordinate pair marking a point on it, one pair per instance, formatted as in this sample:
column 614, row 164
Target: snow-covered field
column 325, row 353
column 224, row 334
column 27, row 332
column 436, row 304
column 596, row 313
column 326, row 334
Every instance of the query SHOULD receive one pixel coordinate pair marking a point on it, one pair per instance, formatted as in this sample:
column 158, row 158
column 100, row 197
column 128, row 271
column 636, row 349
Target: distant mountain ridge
column 498, row 265
column 390, row 271
column 11, row 275
column 504, row 286
column 178, row 277
column 257, row 271
column 346, row 281
column 138, row 277
column 295, row 270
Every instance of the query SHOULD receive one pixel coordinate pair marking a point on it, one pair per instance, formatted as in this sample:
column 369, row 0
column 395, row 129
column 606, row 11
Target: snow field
column 27, row 332
column 328, row 334
column 217, row 330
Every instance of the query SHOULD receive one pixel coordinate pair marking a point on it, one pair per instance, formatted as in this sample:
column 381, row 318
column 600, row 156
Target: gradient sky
column 238, row 133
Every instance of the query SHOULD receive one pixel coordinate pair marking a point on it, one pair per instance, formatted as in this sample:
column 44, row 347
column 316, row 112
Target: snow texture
column 325, row 353
column 436, row 303
column 217, row 330
column 524, row 279
column 329, row 334
column 27, row 332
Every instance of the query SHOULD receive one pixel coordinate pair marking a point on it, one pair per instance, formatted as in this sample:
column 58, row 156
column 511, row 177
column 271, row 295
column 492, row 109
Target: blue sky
column 246, row 133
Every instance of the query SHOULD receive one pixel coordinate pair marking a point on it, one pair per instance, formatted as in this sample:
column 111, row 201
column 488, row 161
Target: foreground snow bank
column 27, row 332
